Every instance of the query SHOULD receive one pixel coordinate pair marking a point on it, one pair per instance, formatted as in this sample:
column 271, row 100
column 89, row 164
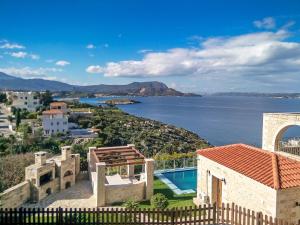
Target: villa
column 265, row 180
column 55, row 121
column 112, row 172
column 24, row 100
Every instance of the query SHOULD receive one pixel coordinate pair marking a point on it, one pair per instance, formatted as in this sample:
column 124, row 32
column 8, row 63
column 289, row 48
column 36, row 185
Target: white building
column 24, row 100
column 59, row 106
column 55, row 121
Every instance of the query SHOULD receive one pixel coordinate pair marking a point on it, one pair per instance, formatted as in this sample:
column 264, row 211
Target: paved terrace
column 78, row 196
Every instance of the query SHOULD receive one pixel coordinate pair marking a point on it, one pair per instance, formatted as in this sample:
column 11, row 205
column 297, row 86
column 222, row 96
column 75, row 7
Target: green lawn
column 174, row 200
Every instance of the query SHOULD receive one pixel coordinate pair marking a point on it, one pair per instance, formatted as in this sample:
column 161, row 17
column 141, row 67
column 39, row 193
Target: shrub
column 131, row 204
column 159, row 201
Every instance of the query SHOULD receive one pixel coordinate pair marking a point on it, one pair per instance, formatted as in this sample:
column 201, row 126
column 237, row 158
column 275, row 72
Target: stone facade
column 236, row 188
column 288, row 204
column 45, row 177
column 274, row 126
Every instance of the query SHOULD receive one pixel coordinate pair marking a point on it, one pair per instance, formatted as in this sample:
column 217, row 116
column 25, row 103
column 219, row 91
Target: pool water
column 184, row 180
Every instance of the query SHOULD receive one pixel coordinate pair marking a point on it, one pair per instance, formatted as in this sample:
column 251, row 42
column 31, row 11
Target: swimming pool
column 181, row 181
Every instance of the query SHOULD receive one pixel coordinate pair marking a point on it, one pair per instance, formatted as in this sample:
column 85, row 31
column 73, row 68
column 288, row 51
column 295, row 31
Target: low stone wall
column 16, row 195
column 121, row 193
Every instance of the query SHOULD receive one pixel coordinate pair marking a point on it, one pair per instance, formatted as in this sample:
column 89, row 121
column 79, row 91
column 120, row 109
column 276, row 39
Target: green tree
column 46, row 98
column 18, row 118
column 3, row 98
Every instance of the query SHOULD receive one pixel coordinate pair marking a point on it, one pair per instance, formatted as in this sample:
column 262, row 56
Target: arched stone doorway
column 274, row 126
column 48, row 191
column 67, row 185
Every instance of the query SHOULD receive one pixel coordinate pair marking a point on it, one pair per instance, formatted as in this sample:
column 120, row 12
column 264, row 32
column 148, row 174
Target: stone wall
column 122, row 193
column 16, row 195
column 274, row 126
column 288, row 209
column 237, row 188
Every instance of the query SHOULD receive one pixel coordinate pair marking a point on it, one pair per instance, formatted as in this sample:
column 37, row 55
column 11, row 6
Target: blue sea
column 219, row 119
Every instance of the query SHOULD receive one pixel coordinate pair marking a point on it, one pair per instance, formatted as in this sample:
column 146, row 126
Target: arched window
column 68, row 173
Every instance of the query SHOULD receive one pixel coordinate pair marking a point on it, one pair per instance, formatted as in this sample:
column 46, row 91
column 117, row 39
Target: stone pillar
column 130, row 170
column 65, row 152
column 149, row 173
column 100, row 184
column 40, row 158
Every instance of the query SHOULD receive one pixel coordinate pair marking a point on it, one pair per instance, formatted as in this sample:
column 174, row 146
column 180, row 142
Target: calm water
column 220, row 120
column 184, row 180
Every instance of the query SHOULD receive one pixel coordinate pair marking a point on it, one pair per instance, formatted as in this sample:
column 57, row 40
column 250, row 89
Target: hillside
column 153, row 88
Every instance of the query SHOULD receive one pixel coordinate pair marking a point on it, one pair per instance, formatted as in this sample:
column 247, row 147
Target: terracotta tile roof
column 268, row 168
column 53, row 112
column 53, row 104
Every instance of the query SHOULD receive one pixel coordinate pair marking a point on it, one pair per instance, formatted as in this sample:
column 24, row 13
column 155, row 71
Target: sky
column 191, row 45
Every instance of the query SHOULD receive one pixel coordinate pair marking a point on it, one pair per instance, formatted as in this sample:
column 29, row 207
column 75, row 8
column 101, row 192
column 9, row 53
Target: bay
column 219, row 119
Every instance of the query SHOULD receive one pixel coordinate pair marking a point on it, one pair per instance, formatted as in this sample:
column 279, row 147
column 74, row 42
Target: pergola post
column 149, row 171
column 100, row 182
column 130, row 171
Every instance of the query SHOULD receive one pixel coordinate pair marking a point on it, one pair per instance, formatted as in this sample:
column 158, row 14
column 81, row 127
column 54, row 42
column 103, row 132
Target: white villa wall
column 53, row 124
column 24, row 100
column 239, row 189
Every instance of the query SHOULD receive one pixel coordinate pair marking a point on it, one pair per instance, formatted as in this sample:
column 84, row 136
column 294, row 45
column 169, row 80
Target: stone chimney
column 40, row 158
column 65, row 152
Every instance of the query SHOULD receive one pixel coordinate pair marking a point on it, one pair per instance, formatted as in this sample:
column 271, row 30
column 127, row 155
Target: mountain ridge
column 150, row 88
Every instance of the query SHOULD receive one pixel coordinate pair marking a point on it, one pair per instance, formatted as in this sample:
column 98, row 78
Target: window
column 57, row 123
column 25, row 103
column 51, row 123
column 26, row 98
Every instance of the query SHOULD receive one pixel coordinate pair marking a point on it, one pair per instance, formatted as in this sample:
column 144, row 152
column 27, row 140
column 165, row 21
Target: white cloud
column 143, row 51
column 94, row 69
column 90, row 46
column 28, row 72
column 261, row 54
column 265, row 23
column 22, row 55
column 18, row 54
column 34, row 56
column 8, row 45
column 106, row 45
column 62, row 63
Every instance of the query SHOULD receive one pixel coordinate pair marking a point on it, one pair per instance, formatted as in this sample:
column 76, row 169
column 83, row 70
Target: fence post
column 60, row 215
column 214, row 213
column 173, row 216
column 20, row 215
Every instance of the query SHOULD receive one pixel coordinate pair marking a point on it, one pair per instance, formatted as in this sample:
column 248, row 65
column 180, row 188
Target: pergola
column 118, row 156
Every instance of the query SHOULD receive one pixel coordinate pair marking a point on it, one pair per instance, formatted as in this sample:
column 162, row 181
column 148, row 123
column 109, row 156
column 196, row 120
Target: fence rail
column 203, row 215
column 175, row 163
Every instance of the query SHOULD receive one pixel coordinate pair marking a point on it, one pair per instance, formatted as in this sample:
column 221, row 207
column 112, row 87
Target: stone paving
column 78, row 196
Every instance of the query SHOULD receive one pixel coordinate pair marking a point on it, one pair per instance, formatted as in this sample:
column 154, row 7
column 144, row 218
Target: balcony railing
column 175, row 164
column 291, row 146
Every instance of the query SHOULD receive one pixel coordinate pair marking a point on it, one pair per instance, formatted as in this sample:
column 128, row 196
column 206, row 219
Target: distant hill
column 153, row 88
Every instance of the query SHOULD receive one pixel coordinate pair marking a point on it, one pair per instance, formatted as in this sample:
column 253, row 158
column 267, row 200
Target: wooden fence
column 203, row 215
